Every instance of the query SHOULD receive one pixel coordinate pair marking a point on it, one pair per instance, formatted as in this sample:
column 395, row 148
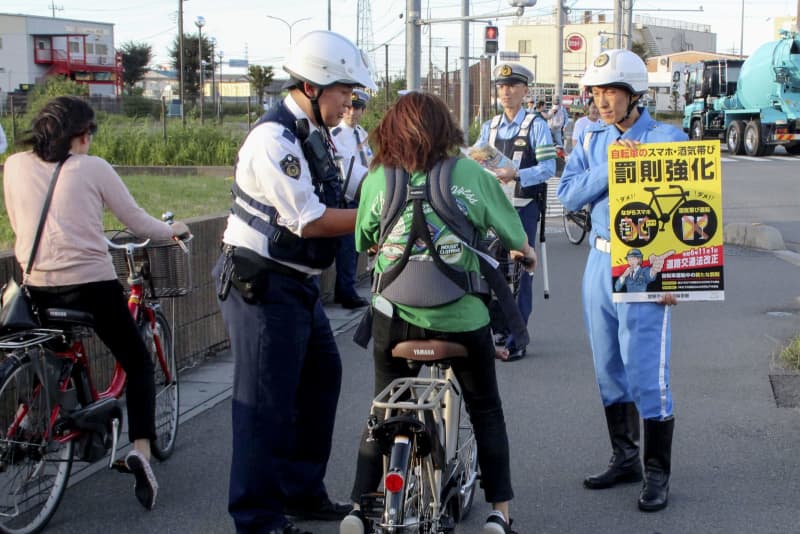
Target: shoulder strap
column 493, row 128
column 526, row 124
column 444, row 203
column 394, row 201
column 587, row 137
column 43, row 218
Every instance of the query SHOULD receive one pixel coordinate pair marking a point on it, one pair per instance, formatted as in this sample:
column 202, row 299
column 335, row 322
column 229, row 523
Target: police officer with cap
column 524, row 138
column 636, row 277
column 351, row 145
column 630, row 341
column 281, row 234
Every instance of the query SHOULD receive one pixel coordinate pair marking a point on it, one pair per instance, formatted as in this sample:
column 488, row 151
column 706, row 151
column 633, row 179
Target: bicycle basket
column 168, row 265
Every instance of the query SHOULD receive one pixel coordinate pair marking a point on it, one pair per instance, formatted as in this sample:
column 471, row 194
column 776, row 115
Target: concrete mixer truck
column 752, row 105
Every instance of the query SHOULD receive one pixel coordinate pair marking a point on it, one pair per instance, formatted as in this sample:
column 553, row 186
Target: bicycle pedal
column 372, row 504
column 121, row 466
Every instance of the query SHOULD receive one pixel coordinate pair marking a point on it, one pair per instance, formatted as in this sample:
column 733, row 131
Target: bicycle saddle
column 428, row 350
column 67, row 316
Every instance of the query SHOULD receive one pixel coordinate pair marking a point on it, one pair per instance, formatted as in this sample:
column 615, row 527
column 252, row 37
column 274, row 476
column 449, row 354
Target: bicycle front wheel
column 575, row 225
column 162, row 352
column 34, row 468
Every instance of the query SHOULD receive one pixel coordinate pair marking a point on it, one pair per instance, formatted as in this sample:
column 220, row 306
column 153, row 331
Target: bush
column 139, row 106
column 791, row 354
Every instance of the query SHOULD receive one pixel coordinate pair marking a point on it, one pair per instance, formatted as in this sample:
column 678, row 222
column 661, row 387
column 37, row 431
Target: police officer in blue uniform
column 630, row 341
column 281, row 233
column 525, row 139
column 635, row 278
column 351, row 145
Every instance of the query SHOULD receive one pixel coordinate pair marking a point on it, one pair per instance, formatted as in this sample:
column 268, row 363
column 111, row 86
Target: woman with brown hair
column 414, row 135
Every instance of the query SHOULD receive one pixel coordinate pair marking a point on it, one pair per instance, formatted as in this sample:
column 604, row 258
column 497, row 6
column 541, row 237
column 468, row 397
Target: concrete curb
column 754, row 235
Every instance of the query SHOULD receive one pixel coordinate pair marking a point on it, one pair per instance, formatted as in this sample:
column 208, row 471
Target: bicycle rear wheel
column 575, row 225
column 162, row 352
column 467, row 454
column 34, row 469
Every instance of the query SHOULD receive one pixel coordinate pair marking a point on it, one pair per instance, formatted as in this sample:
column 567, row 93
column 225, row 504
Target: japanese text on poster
column 666, row 221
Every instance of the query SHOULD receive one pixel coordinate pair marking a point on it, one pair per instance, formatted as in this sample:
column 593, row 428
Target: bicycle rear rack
column 420, row 394
column 28, row 338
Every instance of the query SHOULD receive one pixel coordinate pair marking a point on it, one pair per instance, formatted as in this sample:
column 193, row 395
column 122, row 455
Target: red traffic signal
column 490, row 35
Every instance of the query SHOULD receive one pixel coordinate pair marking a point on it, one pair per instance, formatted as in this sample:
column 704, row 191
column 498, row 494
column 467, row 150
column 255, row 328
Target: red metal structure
column 79, row 58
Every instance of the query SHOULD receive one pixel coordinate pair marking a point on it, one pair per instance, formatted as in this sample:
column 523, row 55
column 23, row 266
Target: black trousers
column 478, row 380
column 117, row 329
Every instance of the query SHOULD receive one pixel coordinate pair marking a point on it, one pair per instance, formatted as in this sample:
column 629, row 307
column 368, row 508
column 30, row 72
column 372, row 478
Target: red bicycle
column 51, row 411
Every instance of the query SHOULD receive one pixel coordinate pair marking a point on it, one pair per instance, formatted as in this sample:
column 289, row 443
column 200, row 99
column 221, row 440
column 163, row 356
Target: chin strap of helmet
column 317, row 112
column 631, row 106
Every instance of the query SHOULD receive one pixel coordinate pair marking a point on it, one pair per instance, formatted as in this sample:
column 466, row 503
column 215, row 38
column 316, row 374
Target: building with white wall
column 586, row 35
column 33, row 48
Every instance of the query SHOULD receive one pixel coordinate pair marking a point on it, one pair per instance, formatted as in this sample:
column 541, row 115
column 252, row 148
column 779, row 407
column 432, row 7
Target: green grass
column 185, row 196
column 790, row 356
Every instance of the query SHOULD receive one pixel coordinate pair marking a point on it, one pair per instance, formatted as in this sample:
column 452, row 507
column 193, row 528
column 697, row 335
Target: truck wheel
column 734, row 137
column 753, row 144
column 696, row 131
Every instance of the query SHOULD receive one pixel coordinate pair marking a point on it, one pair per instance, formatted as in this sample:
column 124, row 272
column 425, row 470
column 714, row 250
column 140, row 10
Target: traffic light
column 490, row 34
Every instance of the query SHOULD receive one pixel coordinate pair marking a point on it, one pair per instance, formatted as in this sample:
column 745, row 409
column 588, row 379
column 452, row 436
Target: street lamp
column 220, row 54
column 289, row 25
column 200, row 22
column 213, row 41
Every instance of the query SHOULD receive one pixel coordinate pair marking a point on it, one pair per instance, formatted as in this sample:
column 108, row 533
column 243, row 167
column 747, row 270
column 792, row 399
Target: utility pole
column 797, row 17
column 559, row 51
column 386, row 70
column 627, row 9
column 180, row 58
column 413, row 43
column 617, row 24
column 464, row 100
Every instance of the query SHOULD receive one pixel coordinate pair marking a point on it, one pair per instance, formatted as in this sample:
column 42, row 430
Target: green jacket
column 487, row 208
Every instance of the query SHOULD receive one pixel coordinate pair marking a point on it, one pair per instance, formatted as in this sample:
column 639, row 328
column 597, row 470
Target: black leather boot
column 624, row 466
column 657, row 463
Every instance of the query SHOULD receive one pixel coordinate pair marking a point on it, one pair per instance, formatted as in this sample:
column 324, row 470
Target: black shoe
column 496, row 524
column 145, row 487
column 351, row 303
column 326, row 510
column 289, row 528
column 354, row 523
column 515, row 354
column 500, row 339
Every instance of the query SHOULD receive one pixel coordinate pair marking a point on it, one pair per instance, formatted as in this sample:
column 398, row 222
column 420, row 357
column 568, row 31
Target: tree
column 260, row 77
column 135, row 58
column 191, row 71
column 640, row 49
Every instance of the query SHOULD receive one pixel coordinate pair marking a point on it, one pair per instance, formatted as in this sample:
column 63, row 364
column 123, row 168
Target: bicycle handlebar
column 127, row 246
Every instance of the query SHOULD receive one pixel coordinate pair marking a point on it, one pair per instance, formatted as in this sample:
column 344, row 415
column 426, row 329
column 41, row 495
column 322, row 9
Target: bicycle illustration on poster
column 666, row 217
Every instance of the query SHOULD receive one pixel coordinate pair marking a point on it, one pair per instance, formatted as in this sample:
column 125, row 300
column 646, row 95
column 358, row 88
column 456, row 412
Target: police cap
column 360, row 98
column 635, row 252
column 511, row 73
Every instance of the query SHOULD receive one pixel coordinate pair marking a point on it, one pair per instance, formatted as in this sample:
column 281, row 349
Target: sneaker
column 496, row 524
column 354, row 523
column 145, row 487
column 323, row 510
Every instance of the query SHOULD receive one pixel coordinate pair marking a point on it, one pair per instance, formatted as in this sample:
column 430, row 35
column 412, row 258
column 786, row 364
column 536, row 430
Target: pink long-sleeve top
column 73, row 249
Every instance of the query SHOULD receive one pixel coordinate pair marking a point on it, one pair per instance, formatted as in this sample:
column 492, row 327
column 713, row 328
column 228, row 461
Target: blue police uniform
column 538, row 164
column 287, row 367
column 636, row 281
column 630, row 341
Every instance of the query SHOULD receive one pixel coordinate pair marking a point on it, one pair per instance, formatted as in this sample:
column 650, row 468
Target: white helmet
column 324, row 58
column 617, row 67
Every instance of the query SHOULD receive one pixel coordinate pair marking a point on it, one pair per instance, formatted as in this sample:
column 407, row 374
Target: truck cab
column 708, row 84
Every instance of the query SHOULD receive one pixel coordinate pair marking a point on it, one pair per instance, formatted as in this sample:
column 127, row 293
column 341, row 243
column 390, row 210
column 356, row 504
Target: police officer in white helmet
column 281, row 233
column 630, row 341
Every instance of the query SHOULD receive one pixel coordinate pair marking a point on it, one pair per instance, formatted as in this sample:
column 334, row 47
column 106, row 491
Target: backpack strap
column 493, row 128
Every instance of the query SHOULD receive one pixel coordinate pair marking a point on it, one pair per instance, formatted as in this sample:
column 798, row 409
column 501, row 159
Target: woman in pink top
column 73, row 268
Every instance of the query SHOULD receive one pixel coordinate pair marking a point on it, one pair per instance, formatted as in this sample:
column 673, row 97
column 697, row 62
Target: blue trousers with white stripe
column 630, row 344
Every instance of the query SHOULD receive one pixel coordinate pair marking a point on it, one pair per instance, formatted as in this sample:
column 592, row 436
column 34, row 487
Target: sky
column 243, row 30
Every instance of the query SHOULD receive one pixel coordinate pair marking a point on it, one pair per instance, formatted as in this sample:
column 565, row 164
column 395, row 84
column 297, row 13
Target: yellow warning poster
column 666, row 221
